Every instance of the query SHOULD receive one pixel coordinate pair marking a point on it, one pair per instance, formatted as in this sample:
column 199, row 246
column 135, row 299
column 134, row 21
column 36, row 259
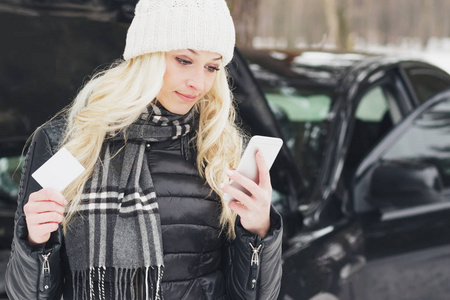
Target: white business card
column 59, row 171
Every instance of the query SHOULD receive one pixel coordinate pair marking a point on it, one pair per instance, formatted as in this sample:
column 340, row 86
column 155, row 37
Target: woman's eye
column 183, row 61
column 212, row 69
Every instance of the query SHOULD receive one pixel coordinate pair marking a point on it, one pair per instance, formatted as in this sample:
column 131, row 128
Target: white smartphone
column 269, row 148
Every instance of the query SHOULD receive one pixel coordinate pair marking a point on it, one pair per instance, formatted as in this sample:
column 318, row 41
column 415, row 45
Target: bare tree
column 336, row 13
column 245, row 16
column 330, row 7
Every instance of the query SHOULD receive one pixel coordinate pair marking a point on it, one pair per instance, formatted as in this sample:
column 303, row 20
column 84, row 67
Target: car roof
column 325, row 68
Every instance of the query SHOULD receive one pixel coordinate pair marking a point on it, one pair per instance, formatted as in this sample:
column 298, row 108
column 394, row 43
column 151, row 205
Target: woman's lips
column 188, row 98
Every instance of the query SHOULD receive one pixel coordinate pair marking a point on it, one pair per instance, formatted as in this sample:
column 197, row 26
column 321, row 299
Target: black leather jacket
column 199, row 262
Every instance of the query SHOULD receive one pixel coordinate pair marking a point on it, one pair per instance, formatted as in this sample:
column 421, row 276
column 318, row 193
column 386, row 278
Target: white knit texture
column 165, row 25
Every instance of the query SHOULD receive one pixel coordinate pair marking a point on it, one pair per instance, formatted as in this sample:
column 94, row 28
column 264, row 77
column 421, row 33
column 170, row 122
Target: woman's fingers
column 48, row 195
column 247, row 183
column 258, row 190
column 44, row 218
column 238, row 195
column 42, row 206
column 238, row 207
column 43, row 213
column 49, row 227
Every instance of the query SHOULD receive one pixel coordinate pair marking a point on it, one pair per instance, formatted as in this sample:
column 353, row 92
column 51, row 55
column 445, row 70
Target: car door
column 401, row 194
column 316, row 261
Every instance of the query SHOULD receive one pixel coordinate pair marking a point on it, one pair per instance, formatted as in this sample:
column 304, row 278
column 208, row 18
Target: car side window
column 426, row 84
column 375, row 115
column 10, row 172
column 426, row 142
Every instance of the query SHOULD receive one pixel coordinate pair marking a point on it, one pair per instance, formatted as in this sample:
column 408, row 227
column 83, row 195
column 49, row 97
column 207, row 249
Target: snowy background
column 436, row 52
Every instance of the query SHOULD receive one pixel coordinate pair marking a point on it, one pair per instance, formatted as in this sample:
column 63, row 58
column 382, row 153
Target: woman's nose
column 197, row 80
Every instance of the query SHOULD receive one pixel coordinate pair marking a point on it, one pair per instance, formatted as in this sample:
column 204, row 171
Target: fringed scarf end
column 120, row 284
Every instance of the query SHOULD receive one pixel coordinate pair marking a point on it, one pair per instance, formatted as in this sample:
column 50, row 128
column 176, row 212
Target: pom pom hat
column 165, row 25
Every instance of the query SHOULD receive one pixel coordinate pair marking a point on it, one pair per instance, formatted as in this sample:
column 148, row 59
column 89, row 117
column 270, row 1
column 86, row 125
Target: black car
column 360, row 182
column 363, row 188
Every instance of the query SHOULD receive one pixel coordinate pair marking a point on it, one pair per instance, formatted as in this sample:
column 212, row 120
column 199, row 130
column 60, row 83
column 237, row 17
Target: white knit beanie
column 165, row 25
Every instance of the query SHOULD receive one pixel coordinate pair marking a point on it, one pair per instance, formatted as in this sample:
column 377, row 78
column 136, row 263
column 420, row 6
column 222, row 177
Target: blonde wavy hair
column 113, row 99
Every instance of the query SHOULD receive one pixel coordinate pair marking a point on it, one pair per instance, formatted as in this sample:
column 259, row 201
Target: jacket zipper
column 46, row 271
column 254, row 265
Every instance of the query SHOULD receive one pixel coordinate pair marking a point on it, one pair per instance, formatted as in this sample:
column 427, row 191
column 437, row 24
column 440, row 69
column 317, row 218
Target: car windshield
column 303, row 115
column 301, row 102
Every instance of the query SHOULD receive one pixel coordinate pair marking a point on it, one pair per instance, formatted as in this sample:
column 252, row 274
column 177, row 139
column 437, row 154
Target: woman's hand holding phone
column 43, row 211
column 250, row 192
column 254, row 209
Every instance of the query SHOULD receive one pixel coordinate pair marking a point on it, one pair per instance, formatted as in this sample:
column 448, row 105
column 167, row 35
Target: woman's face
column 188, row 78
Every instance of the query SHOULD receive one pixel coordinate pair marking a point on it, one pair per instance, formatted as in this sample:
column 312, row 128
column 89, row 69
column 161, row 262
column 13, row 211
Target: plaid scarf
column 115, row 246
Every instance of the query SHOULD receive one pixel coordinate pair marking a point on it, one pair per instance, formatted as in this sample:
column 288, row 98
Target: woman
column 156, row 135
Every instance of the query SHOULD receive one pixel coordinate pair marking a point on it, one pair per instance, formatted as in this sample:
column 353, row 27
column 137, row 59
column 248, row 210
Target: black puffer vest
column 193, row 246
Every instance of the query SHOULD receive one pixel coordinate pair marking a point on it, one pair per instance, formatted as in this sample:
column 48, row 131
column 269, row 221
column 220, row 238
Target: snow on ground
column 436, row 52
column 440, row 58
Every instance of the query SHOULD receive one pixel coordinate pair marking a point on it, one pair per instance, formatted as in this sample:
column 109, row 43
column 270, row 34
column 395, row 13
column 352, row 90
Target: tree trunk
column 332, row 20
column 344, row 39
column 336, row 13
column 245, row 16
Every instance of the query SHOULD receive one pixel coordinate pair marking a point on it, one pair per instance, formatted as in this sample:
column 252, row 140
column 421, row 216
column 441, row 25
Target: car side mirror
column 397, row 183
